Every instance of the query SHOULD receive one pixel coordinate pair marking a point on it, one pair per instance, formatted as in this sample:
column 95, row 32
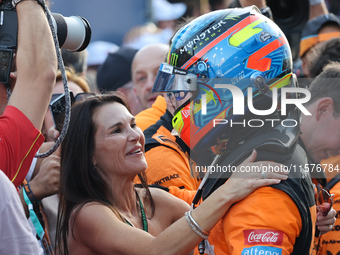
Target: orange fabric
column 168, row 165
column 309, row 42
column 185, row 195
column 266, row 212
column 150, row 116
column 334, row 161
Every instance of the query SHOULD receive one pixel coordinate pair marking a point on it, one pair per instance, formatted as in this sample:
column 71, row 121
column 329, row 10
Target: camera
column 74, row 34
column 57, row 107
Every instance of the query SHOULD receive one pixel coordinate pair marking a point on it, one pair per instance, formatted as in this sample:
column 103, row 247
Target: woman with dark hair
column 102, row 212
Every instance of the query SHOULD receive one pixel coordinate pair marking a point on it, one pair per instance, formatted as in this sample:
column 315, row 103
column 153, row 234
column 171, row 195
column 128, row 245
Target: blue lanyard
column 38, row 228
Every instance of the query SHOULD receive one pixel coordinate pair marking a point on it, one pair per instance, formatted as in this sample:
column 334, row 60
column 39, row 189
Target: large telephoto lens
column 74, row 32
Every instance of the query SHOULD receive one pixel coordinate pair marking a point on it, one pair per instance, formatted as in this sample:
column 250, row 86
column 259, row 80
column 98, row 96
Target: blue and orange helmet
column 240, row 47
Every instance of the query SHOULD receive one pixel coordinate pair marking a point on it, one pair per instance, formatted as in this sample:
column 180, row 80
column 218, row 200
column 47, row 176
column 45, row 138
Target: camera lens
column 74, row 33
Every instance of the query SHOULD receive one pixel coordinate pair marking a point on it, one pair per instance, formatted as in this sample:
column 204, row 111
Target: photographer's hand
column 46, row 182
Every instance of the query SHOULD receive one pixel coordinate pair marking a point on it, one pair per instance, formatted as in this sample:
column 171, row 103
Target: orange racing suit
column 272, row 220
column 150, row 116
column 167, row 157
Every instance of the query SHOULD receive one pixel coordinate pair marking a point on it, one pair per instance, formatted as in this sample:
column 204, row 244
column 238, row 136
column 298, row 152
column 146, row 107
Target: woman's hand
column 251, row 175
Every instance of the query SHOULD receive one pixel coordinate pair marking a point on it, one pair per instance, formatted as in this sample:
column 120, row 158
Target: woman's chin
column 139, row 167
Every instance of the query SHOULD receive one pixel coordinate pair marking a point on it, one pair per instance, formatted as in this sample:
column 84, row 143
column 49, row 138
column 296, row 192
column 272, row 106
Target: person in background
column 316, row 30
column 97, row 53
column 164, row 17
column 115, row 75
column 321, row 138
column 76, row 60
column 323, row 54
column 142, row 35
column 165, row 14
column 144, row 69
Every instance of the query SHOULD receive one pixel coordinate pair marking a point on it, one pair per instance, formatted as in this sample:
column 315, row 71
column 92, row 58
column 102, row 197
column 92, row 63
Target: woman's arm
column 111, row 236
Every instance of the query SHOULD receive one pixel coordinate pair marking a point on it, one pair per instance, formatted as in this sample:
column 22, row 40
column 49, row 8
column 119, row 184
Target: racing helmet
column 238, row 47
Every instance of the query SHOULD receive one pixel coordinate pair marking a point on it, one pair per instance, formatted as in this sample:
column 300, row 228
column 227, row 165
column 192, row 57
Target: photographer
column 21, row 119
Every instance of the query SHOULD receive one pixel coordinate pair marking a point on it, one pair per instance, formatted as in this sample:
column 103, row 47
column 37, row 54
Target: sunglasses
column 324, row 200
column 78, row 97
column 324, row 203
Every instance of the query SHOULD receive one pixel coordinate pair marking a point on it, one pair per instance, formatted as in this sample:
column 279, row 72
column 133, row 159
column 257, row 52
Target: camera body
column 74, row 34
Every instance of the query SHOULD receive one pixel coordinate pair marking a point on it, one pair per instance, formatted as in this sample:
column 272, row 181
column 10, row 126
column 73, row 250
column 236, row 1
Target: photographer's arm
column 36, row 63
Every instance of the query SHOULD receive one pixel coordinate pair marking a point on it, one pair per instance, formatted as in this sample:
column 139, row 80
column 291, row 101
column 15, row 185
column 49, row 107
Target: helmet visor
column 173, row 79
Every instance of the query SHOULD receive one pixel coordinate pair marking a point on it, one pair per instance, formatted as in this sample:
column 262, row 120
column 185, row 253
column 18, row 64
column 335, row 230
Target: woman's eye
column 117, row 130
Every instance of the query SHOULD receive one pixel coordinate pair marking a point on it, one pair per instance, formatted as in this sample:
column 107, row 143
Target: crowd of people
column 171, row 148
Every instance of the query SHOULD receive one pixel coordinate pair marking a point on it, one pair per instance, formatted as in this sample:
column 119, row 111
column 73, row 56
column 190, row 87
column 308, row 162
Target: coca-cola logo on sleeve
column 263, row 236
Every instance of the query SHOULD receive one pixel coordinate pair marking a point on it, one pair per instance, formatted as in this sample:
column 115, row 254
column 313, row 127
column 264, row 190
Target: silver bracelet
column 195, row 227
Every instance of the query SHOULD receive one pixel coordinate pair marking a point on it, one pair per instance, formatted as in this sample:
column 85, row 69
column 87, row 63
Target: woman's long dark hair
column 80, row 181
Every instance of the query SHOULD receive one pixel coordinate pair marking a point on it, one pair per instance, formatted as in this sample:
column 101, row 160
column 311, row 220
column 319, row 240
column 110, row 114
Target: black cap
column 116, row 70
column 310, row 33
column 314, row 25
